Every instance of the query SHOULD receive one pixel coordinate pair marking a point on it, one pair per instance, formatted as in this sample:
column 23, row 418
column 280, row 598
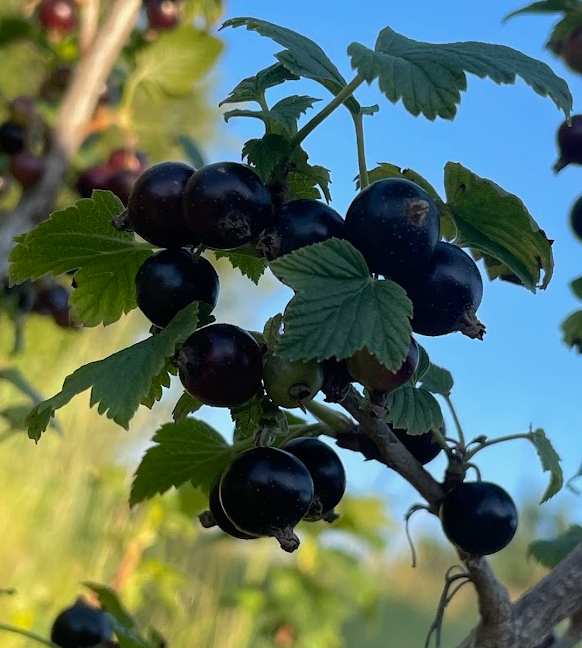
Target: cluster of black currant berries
column 82, row 626
column 569, row 140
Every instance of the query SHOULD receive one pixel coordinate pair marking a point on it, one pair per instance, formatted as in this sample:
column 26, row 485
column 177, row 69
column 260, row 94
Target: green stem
column 323, row 114
column 26, row 633
column 441, row 439
column 336, row 421
column 456, row 420
column 503, row 439
column 265, row 106
column 296, row 431
column 363, row 169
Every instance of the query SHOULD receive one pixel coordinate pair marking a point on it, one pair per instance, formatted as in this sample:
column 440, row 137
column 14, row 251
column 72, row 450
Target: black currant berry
column 327, row 473
column 300, row 223
column 576, row 218
column 81, row 626
column 395, row 224
column 155, row 208
column 446, row 297
column 267, row 492
column 169, row 280
column 221, row 365
column 12, row 138
column 162, row 14
column 424, row 447
column 226, row 205
column 121, row 183
column 370, row 372
column 291, row 384
column 569, row 140
column 58, row 15
column 571, row 50
column 479, row 517
column 220, row 516
column 27, row 169
column 94, row 177
column 54, row 300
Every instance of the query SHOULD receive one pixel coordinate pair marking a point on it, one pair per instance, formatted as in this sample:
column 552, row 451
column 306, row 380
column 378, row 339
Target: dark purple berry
column 12, row 138
column 569, row 139
column 576, row 218
column 81, row 626
column 220, row 516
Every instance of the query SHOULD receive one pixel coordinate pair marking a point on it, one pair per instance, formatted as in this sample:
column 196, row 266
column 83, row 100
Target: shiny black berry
column 576, row 218
column 12, row 138
column 569, row 140
column 226, row 205
column 291, row 384
column 267, row 492
column 300, row 223
column 155, row 208
column 370, row 372
column 170, row 280
column 424, row 447
column 479, row 517
column 395, row 224
column 80, row 626
column 121, row 183
column 326, row 470
column 446, row 297
column 220, row 516
column 221, row 365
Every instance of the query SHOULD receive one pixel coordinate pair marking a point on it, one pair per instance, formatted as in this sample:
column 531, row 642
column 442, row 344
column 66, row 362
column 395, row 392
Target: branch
column 89, row 24
column 75, row 113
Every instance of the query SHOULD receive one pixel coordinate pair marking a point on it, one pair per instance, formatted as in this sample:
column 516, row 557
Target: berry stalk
column 26, row 633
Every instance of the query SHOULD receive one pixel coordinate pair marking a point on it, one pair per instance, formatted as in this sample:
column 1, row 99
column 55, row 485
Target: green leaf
column 272, row 331
column 247, row 418
column 286, row 112
column 187, row 451
column 551, row 552
column 127, row 637
column 543, row 7
column 163, row 379
column 430, row 77
column 338, row 308
column 120, row 382
column 414, row 410
column 82, row 237
column 173, row 63
column 186, row 405
column 496, row 269
column 438, row 380
column 424, row 365
column 303, row 180
column 496, row 222
column 250, row 265
column 565, row 27
column 192, row 151
column 572, row 331
column 253, row 88
column 550, row 461
column 302, row 56
column 266, row 154
column 110, row 603
column 576, row 287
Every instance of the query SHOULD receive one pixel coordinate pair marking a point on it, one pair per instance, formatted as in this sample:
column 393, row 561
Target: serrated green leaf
column 565, row 27
column 127, row 637
column 551, row 552
column 413, row 409
column 249, row 265
column 496, row 222
column 272, row 331
column 187, row 451
column 386, row 170
column 496, row 269
column 119, row 383
column 192, row 151
column 301, row 57
column 82, row 237
column 543, row 7
column 163, row 379
column 253, row 88
column 423, row 365
column 550, row 461
column 111, row 603
column 286, row 112
column 266, row 154
column 572, row 331
column 185, row 405
column 247, row 418
column 576, row 287
column 173, row 64
column 428, row 78
column 438, row 380
column 303, row 180
column 339, row 308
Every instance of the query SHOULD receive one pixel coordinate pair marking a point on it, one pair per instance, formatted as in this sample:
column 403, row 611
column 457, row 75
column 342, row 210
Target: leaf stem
column 323, row 114
column 363, row 169
column 503, row 439
column 455, row 419
column 336, row 421
column 28, row 634
column 441, row 439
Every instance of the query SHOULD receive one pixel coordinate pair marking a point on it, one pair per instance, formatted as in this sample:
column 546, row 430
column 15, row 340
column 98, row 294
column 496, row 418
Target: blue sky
column 521, row 373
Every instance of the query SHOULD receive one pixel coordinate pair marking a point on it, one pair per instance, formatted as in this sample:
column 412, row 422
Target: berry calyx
column 155, row 207
column 300, row 223
column 267, row 492
column 220, row 517
column 220, row 365
column 569, row 140
column 12, row 138
column 576, row 218
column 291, row 384
column 27, row 169
column 446, row 297
column 170, row 280
column 479, row 517
column 370, row 372
column 226, row 205
column 395, row 224
column 58, row 16
column 81, row 626
column 327, row 473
